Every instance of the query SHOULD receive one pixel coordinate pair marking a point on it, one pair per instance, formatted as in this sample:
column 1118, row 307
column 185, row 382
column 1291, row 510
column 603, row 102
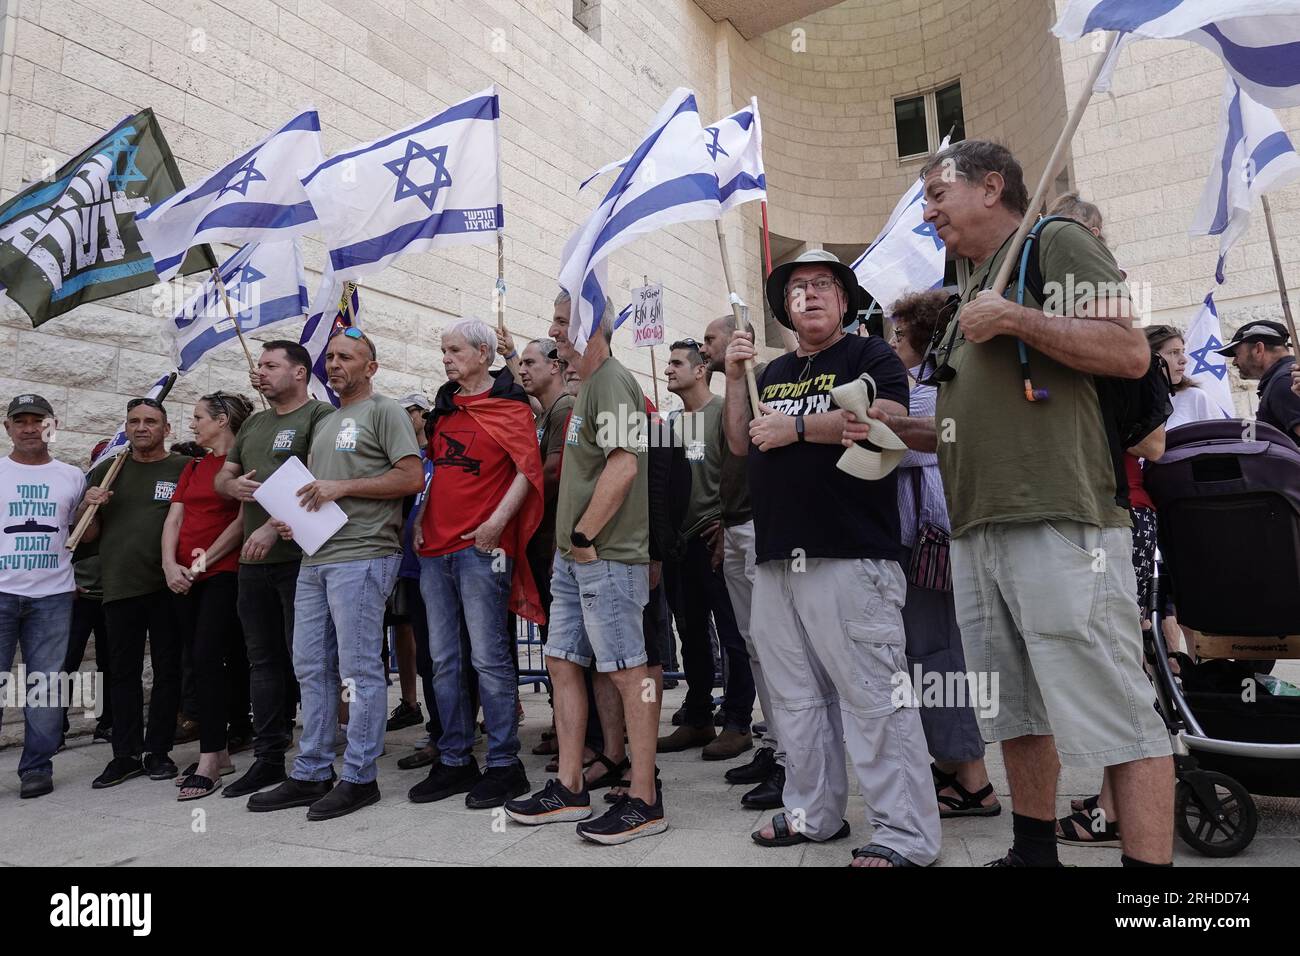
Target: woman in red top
column 200, row 552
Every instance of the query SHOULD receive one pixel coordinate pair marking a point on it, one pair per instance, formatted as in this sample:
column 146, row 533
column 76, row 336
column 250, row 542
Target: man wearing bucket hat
column 1260, row 350
column 828, row 586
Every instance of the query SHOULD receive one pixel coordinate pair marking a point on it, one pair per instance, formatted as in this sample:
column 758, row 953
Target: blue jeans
column 40, row 626
column 338, row 631
column 466, row 581
column 597, row 613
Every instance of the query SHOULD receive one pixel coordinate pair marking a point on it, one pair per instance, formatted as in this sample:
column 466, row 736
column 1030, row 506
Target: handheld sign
column 648, row 315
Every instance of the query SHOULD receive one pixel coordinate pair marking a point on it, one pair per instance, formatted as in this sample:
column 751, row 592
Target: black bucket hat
column 776, row 283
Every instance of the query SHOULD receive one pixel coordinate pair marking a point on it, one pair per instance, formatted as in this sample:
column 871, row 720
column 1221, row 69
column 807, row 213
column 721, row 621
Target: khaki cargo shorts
column 1048, row 616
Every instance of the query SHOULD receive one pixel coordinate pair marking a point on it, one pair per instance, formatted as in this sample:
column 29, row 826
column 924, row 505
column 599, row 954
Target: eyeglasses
column 821, row 285
column 151, row 402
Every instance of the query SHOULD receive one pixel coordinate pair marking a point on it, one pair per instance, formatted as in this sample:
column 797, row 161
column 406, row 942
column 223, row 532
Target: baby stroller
column 1222, row 485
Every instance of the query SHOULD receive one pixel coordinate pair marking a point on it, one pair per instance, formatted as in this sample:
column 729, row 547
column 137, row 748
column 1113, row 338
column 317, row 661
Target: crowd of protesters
column 819, row 556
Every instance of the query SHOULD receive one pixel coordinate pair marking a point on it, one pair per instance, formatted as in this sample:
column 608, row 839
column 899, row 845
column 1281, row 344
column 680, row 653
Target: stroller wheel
column 1223, row 829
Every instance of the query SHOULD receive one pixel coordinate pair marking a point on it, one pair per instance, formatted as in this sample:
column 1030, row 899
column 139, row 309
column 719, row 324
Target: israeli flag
column 255, row 197
column 337, row 305
column 669, row 178
column 907, row 256
column 735, row 143
column 1255, row 156
column 1207, row 368
column 624, row 314
column 265, row 283
column 1255, row 39
column 435, row 183
column 120, row 441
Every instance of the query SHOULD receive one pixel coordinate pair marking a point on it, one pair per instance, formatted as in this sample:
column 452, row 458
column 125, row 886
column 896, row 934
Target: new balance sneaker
column 625, row 821
column 554, row 803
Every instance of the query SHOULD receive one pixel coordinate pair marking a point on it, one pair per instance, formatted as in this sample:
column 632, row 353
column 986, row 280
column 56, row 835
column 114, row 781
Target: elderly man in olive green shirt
column 1044, row 584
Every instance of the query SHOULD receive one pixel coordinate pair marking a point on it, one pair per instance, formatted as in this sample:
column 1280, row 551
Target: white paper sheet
column 278, row 495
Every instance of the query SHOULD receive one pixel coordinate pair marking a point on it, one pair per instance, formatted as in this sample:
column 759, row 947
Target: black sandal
column 1082, row 830
column 782, row 836
column 613, row 772
column 894, row 858
column 1087, row 804
column 193, row 769
column 965, row 804
column 625, row 785
column 195, row 782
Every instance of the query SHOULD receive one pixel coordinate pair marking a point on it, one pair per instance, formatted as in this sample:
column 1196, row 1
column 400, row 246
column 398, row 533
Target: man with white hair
column 487, row 482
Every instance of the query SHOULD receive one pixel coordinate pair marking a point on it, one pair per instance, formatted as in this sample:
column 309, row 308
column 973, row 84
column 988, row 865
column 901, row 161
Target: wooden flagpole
column 110, row 476
column 1277, row 268
column 501, row 282
column 1049, row 171
column 754, row 404
column 230, row 312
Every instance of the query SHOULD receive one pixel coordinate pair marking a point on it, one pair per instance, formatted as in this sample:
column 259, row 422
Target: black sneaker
column 497, row 785
column 344, row 799
column 759, row 729
column 291, row 793
column 626, row 820
column 444, row 781
column 36, row 784
column 118, row 770
column 404, row 715
column 756, row 771
column 554, row 803
column 160, row 767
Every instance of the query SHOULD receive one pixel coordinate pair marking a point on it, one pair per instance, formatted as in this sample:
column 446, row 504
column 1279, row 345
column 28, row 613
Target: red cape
column 510, row 424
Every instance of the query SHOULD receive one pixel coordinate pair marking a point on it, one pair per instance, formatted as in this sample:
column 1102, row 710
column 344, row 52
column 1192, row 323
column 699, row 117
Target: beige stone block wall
column 221, row 74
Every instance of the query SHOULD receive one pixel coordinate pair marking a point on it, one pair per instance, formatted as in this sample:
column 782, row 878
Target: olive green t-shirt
column 702, row 437
column 609, row 413
column 266, row 442
column 550, row 439
column 733, row 485
column 131, row 523
column 1004, row 458
column 362, row 440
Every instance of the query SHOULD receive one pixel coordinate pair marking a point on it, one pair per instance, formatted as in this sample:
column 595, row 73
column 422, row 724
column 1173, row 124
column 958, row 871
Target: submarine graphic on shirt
column 30, row 526
column 453, row 452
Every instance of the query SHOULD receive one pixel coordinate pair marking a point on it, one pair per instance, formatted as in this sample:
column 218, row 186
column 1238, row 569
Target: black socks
column 1034, row 841
column 1129, row 861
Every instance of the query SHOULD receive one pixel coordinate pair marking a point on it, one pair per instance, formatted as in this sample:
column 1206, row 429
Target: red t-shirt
column 1137, row 493
column 471, row 474
column 206, row 515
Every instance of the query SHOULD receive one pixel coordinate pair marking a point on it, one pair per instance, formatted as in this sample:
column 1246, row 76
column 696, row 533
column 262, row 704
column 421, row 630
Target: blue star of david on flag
column 713, row 146
column 406, row 186
column 1202, row 358
column 121, row 146
column 244, row 177
column 927, row 229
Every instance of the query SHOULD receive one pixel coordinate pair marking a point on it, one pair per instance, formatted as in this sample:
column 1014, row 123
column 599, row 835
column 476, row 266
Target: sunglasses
column 939, row 352
column 353, row 333
column 686, row 344
column 151, row 402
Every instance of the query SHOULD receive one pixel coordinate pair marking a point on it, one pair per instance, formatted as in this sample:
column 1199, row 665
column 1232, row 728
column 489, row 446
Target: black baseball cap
column 30, row 405
column 1262, row 330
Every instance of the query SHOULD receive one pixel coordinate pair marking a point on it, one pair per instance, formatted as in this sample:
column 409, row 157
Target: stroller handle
column 1237, row 748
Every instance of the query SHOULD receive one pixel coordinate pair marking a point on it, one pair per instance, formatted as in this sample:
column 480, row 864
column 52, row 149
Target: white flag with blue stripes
column 434, row 183
column 256, row 197
column 669, row 178
column 336, row 305
column 907, row 256
column 1254, row 157
column 1205, row 366
column 119, row 442
column 265, row 283
column 1255, row 39
column 735, row 143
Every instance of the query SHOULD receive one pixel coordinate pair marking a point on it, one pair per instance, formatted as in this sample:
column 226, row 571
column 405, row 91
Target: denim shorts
column 596, row 613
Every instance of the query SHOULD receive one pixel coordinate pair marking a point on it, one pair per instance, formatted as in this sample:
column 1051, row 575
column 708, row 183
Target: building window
column 586, row 16
column 923, row 119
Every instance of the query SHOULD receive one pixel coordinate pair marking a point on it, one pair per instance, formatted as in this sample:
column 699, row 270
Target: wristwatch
column 580, row 540
column 798, row 428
